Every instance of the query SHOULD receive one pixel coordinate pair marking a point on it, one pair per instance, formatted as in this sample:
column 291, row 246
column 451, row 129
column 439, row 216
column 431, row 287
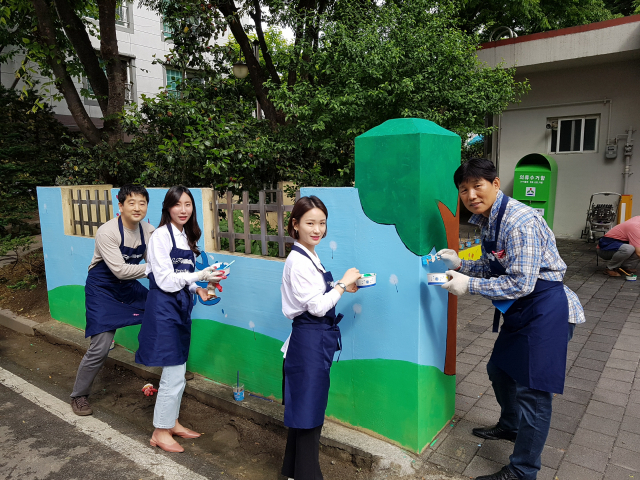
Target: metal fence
column 86, row 209
column 266, row 203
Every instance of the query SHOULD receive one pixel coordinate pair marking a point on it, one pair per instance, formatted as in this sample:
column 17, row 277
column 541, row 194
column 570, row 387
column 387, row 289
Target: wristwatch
column 342, row 286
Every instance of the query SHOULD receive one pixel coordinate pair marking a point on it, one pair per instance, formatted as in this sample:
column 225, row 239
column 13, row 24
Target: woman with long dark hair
column 165, row 334
column 309, row 297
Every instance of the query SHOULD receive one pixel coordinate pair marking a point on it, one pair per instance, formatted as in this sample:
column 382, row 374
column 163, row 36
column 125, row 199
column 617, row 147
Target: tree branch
column 257, row 19
column 79, row 38
column 229, row 10
column 64, row 82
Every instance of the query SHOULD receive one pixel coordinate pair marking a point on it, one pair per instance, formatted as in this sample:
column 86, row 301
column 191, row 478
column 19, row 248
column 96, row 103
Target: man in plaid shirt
column 521, row 272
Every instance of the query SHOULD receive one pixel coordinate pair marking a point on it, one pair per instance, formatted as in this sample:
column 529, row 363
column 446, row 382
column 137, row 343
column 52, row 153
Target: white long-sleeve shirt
column 303, row 288
column 159, row 260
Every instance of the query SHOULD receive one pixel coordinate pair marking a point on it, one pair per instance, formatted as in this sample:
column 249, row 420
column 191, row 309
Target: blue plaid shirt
column 530, row 254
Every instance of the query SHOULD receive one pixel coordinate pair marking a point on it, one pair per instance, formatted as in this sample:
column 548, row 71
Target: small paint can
column 631, row 278
column 437, row 278
column 366, row 280
column 223, row 267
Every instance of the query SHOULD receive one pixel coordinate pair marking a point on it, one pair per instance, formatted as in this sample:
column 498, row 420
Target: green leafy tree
column 402, row 59
column 528, row 16
column 351, row 66
column 622, row 7
column 55, row 38
column 30, row 155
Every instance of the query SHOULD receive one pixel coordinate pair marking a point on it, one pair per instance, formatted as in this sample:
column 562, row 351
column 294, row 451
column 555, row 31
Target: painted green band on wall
column 405, row 402
column 396, row 406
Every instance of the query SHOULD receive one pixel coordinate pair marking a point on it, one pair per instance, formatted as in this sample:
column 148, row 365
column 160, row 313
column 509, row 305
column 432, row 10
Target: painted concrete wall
column 390, row 375
column 579, row 174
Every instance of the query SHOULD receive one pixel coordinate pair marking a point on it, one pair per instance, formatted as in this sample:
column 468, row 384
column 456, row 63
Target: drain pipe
column 628, row 152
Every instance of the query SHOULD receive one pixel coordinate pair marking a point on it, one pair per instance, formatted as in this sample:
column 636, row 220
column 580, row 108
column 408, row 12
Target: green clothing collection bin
column 534, row 184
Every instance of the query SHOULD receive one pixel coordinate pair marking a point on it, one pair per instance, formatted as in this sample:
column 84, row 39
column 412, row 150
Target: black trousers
column 301, row 456
column 302, row 453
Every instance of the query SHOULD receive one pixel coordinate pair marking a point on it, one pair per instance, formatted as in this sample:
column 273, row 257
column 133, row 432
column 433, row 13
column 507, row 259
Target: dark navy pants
column 526, row 411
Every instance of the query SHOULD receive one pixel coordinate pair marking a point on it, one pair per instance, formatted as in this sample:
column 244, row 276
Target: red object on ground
column 148, row 390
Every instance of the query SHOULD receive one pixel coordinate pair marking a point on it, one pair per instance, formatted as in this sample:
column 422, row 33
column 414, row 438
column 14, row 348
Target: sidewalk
column 595, row 428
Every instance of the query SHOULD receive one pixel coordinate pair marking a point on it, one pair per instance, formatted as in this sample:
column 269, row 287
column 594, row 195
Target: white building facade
column 141, row 35
column 584, row 96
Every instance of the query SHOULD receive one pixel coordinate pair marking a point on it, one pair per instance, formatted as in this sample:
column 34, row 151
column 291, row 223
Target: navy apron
column 112, row 303
column 610, row 244
column 532, row 344
column 165, row 335
column 314, row 341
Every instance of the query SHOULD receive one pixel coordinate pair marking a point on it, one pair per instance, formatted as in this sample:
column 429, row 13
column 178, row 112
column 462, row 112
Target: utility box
column 534, row 184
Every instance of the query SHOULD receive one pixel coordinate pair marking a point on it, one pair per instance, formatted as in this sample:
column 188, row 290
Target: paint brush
column 238, row 382
column 630, row 276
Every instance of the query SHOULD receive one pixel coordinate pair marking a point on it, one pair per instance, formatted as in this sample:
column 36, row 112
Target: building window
column 123, row 11
column 166, row 30
column 172, row 78
column 124, row 16
column 129, row 90
column 574, row 134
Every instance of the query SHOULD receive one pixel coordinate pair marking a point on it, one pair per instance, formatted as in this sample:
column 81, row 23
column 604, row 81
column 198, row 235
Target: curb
column 17, row 323
column 340, row 441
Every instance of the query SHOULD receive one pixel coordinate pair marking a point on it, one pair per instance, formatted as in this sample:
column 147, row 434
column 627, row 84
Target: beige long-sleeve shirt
column 107, row 249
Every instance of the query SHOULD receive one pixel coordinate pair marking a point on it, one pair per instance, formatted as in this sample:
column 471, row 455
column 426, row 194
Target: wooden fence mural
column 262, row 208
column 85, row 209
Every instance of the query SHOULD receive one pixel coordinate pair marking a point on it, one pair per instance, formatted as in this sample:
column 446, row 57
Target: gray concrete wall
column 579, row 174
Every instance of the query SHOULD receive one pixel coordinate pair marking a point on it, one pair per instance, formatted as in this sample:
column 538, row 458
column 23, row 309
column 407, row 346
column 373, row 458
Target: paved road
column 595, row 428
column 41, row 438
column 36, row 377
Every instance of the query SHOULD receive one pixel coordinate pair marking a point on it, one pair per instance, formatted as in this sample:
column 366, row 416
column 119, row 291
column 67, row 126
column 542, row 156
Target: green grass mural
column 394, row 403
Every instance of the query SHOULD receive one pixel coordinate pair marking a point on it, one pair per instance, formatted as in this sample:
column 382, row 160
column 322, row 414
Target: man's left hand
column 459, row 283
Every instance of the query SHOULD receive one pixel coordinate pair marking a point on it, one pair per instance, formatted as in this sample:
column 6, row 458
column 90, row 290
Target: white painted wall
column 579, row 174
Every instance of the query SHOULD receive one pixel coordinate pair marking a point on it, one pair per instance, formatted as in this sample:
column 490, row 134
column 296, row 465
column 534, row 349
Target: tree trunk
column 64, row 82
column 115, row 71
column 79, row 38
column 228, row 9
column 257, row 20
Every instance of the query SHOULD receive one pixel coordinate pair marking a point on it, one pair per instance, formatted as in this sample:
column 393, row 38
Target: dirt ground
column 239, row 447
column 29, row 302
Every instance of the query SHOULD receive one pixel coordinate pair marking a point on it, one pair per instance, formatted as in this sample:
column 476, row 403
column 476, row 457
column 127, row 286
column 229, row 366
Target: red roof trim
column 563, row 31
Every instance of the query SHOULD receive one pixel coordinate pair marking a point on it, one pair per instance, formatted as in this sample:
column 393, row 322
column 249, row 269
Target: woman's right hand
column 350, row 276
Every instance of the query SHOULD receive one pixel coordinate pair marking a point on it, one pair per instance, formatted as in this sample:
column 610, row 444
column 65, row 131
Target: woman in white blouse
column 309, row 296
column 165, row 334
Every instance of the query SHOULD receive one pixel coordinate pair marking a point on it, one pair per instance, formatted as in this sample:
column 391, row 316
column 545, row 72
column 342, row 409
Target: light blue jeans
column 172, row 383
